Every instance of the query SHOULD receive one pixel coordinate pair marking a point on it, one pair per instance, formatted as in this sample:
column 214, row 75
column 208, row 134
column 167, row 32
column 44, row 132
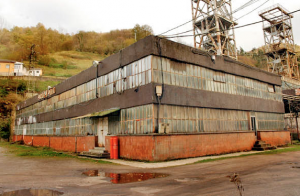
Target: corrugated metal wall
column 131, row 76
column 190, row 76
column 68, row 127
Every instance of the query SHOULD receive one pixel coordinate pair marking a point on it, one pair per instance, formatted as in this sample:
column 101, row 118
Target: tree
column 41, row 39
column 142, row 31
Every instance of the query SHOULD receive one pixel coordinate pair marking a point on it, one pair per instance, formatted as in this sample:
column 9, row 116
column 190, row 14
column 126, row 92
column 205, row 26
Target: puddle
column 91, row 173
column 32, row 192
column 125, row 177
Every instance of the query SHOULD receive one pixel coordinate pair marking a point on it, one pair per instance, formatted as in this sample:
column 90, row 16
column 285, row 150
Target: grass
column 77, row 62
column 290, row 148
column 42, row 152
column 38, row 85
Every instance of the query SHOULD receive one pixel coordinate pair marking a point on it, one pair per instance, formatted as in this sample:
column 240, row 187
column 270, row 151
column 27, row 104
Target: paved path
column 261, row 175
column 176, row 162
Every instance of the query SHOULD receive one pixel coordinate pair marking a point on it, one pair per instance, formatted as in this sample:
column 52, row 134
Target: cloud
column 103, row 16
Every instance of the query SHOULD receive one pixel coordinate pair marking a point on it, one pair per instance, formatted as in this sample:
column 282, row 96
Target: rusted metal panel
column 170, row 50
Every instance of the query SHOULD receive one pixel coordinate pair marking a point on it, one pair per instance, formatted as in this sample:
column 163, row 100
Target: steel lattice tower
column 279, row 41
column 213, row 23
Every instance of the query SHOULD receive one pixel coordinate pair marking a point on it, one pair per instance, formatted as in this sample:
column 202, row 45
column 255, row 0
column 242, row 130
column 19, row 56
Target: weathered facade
column 206, row 107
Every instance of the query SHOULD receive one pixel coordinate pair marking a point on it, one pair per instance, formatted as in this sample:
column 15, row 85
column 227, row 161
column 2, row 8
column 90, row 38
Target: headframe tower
column 279, row 41
column 213, row 27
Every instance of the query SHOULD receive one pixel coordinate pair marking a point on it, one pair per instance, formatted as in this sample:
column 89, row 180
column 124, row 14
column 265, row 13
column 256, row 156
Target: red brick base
column 69, row 144
column 168, row 147
column 275, row 138
column 164, row 147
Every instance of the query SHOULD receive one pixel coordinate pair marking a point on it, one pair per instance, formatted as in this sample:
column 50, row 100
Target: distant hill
column 256, row 57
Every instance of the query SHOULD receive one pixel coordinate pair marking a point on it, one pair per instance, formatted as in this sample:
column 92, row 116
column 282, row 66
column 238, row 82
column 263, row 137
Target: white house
column 20, row 70
column 35, row 72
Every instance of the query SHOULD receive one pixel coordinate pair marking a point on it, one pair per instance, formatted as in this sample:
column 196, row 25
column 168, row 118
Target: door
column 102, row 131
column 253, row 125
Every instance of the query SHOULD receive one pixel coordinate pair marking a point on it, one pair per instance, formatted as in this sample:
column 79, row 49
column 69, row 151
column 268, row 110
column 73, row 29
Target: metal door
column 253, row 125
column 102, row 131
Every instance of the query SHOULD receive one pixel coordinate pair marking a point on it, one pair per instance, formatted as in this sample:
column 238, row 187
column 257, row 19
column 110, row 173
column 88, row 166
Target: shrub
column 44, row 60
column 3, row 92
column 5, row 129
column 22, row 87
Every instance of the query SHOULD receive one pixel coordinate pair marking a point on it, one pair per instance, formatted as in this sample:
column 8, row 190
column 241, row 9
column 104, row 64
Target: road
column 260, row 175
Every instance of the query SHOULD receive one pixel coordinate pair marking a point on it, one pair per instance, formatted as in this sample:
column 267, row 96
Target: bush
column 22, row 87
column 5, row 129
column 3, row 92
column 44, row 60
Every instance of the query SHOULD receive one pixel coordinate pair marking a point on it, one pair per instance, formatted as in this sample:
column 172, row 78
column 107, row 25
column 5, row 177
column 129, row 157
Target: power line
column 253, row 10
column 227, row 29
column 244, row 6
column 238, row 9
column 186, row 22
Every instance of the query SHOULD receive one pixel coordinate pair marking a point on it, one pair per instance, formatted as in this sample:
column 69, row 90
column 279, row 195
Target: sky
column 71, row 16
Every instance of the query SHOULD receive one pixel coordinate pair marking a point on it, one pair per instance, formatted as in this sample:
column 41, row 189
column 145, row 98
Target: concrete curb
column 176, row 162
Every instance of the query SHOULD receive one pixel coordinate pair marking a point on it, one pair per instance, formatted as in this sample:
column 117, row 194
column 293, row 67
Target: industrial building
column 163, row 100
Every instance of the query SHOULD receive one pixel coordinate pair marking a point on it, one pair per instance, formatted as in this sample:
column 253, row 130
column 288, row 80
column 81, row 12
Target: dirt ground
column 260, row 175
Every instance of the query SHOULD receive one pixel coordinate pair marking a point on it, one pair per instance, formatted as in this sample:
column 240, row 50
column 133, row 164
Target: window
column 37, row 71
column 271, row 88
column 7, row 66
column 219, row 77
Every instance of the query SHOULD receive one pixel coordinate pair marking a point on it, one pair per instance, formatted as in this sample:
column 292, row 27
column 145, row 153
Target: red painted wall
column 17, row 138
column 168, row 147
column 63, row 143
column 27, row 139
column 85, row 143
column 134, row 147
column 274, row 138
column 41, row 141
column 59, row 143
column 184, row 146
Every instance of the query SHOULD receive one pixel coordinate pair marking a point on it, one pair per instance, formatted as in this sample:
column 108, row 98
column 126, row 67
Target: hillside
column 66, row 63
column 256, row 57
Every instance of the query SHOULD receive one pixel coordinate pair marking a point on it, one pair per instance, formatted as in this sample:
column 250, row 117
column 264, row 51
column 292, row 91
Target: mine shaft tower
column 213, row 23
column 279, row 41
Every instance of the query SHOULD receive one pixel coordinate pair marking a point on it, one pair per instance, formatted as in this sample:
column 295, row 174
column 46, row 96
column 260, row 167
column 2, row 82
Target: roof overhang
column 102, row 113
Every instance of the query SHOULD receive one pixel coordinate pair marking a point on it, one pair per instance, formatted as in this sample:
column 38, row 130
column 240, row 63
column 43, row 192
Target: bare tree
column 3, row 23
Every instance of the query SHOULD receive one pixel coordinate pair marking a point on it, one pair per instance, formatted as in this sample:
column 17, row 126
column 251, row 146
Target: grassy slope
column 77, row 61
column 38, row 85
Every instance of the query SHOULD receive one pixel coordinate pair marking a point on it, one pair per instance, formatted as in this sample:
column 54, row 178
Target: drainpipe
column 297, row 126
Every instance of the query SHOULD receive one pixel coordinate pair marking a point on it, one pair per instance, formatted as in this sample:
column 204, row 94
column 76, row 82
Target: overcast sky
column 71, row 16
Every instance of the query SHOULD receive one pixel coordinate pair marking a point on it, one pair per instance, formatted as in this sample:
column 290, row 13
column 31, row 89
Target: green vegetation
column 69, row 63
column 256, row 57
column 21, row 86
column 15, row 42
column 30, row 151
column 5, row 128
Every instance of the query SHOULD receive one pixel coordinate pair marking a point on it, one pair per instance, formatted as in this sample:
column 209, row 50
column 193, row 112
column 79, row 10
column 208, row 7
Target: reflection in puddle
column 91, row 173
column 125, row 177
column 32, row 192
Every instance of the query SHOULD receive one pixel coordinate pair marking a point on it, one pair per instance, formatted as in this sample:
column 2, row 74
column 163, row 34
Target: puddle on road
column 125, row 177
column 32, row 192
